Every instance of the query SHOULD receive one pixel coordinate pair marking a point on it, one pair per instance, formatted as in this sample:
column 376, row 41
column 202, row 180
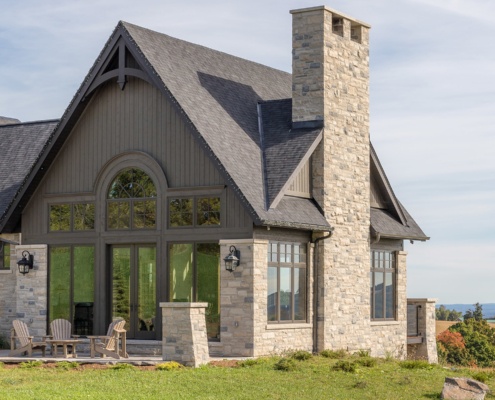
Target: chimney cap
column 334, row 12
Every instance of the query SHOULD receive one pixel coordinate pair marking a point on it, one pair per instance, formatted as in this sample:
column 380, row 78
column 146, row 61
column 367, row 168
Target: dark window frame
column 72, row 216
column 195, row 204
column 131, row 202
column 5, row 255
column 278, row 264
column 383, row 262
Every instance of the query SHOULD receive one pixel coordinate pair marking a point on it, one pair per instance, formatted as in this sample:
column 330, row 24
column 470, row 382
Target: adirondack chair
column 19, row 334
column 113, row 344
column 61, row 335
column 61, row 329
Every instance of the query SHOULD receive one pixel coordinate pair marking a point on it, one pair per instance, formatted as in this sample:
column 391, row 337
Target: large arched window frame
column 131, row 201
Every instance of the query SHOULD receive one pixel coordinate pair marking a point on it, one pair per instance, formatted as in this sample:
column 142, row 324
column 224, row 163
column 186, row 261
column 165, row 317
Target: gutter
column 316, row 301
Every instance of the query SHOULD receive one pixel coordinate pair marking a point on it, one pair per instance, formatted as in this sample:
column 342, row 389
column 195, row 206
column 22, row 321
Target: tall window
column 194, row 276
column 383, row 285
column 286, row 282
column 71, row 280
column 131, row 201
column 4, row 255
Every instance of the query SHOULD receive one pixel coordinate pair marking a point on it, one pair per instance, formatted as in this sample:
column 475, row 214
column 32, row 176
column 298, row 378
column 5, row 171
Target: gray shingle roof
column 219, row 93
column 387, row 226
column 283, row 147
column 20, row 147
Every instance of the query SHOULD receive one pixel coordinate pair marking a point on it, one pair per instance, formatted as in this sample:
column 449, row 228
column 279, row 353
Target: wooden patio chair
column 22, row 342
column 113, row 344
column 61, row 335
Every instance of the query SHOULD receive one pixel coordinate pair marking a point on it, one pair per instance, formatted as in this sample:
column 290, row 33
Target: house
column 170, row 157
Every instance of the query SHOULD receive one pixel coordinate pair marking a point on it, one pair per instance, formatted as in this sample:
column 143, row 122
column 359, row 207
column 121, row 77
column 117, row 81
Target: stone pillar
column 184, row 333
column 330, row 85
column 427, row 349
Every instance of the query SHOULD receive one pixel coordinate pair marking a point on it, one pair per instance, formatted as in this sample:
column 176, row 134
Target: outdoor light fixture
column 26, row 262
column 232, row 260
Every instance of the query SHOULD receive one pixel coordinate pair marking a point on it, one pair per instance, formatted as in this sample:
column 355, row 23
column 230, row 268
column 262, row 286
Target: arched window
column 131, row 201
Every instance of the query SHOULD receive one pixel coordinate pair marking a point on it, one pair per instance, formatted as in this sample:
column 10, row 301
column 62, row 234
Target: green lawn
column 312, row 379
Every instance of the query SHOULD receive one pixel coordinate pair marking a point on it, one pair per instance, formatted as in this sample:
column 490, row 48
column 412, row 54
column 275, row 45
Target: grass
column 312, row 378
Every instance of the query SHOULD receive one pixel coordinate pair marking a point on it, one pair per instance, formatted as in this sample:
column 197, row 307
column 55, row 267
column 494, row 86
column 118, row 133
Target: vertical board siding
column 301, row 185
column 139, row 118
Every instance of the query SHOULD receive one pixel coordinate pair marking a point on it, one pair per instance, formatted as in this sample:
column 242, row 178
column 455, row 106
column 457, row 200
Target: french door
column 134, row 288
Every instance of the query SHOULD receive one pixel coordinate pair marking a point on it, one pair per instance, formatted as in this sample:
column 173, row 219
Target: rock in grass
column 463, row 388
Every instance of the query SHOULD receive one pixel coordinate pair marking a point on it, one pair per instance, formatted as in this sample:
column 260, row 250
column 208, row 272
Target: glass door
column 134, row 289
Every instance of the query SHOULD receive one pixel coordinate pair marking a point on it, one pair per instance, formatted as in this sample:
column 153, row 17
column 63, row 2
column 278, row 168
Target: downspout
column 316, row 300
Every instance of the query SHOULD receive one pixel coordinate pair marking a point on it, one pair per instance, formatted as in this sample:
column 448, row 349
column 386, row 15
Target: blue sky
column 432, row 100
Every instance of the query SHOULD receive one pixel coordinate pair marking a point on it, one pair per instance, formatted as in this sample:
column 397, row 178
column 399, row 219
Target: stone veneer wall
column 184, row 333
column 24, row 297
column 331, row 83
column 236, row 302
column 427, row 328
column 390, row 338
column 244, row 330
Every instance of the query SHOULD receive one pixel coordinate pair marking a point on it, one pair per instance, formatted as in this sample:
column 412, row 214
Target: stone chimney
column 330, row 88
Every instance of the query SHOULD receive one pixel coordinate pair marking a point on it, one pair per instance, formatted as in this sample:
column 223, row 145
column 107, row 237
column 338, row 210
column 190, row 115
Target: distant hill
column 488, row 308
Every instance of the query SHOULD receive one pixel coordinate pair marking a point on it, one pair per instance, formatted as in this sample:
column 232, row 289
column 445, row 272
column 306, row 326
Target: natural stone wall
column 8, row 279
column 236, row 302
column 24, row 297
column 244, row 329
column 426, row 350
column 184, row 333
column 330, row 82
column 389, row 338
column 32, row 290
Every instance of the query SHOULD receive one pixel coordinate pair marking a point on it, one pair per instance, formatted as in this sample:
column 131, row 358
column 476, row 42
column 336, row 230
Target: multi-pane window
column 194, row 276
column 286, row 301
column 4, row 255
column 71, row 286
column 383, row 285
column 194, row 211
column 68, row 217
column 131, row 201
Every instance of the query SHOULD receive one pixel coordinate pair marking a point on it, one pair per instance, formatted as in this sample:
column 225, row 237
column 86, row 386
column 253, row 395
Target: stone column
column 426, row 350
column 184, row 333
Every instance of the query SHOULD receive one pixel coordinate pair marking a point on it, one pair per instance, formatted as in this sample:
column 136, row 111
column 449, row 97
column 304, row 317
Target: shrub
column 285, row 364
column 479, row 343
column 169, row 366
column 122, row 366
column 363, row 353
column 415, row 364
column 66, row 365
column 251, row 362
column 301, row 355
column 482, row 376
column 452, row 348
column 30, row 364
column 334, row 353
column 344, row 365
column 367, row 362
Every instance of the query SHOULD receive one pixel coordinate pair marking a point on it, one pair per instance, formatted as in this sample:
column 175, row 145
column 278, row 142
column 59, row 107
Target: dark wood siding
column 138, row 118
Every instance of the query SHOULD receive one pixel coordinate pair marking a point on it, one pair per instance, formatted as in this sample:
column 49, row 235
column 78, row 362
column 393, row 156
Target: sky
column 432, row 95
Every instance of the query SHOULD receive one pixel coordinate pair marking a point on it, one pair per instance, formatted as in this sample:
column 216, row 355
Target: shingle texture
column 388, row 226
column 240, row 112
column 220, row 93
column 283, row 147
column 20, row 147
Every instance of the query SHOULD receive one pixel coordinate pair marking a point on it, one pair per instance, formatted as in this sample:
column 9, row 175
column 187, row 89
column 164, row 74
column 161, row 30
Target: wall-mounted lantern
column 26, row 262
column 232, row 260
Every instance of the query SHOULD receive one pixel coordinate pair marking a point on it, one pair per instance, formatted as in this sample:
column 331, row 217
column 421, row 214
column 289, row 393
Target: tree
column 477, row 314
column 443, row 314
